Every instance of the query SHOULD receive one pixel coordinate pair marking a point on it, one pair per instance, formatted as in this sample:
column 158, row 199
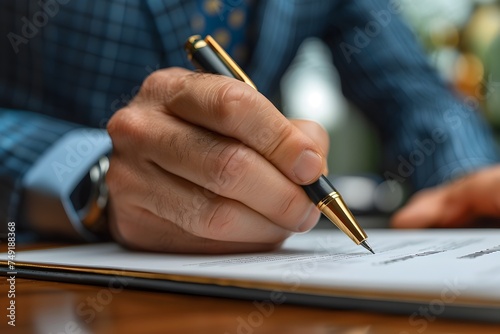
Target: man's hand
column 204, row 163
column 458, row 204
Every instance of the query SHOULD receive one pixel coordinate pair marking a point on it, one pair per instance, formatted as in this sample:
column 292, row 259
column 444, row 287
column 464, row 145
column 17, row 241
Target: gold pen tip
column 365, row 245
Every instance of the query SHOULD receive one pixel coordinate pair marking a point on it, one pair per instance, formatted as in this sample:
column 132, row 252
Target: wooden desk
column 51, row 307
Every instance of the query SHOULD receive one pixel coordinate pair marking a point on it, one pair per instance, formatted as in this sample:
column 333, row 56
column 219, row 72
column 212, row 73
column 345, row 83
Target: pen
column 208, row 56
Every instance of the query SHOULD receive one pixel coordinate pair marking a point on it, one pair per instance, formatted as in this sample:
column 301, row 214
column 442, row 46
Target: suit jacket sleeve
column 430, row 134
column 24, row 137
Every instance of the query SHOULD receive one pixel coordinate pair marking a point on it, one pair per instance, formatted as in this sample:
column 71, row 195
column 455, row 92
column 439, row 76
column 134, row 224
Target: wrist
column 64, row 191
column 94, row 199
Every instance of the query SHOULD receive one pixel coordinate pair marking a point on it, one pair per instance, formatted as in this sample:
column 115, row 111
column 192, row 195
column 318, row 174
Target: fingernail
column 308, row 166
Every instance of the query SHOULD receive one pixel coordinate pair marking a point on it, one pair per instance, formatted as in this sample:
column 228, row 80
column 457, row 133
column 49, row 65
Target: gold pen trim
column 194, row 43
column 230, row 63
column 335, row 209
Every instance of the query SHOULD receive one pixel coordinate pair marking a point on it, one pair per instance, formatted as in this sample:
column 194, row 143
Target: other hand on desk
column 204, row 163
column 458, row 204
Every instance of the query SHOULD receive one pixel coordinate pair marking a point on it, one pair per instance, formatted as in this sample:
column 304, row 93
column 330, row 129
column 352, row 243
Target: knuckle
column 287, row 207
column 264, row 136
column 127, row 127
column 218, row 221
column 230, row 99
column 114, row 125
column 286, row 132
column 176, row 143
column 272, row 144
column 231, row 93
column 163, row 85
column 151, row 86
column 168, row 205
column 227, row 166
column 175, row 85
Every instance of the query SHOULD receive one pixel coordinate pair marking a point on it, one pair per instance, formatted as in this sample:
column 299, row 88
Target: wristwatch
column 90, row 198
column 64, row 192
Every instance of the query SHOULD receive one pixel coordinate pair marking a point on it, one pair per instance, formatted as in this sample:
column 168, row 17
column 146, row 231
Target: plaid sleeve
column 24, row 137
column 429, row 133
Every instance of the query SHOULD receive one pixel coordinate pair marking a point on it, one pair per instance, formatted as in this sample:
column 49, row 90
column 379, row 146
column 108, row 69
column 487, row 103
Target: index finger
column 234, row 109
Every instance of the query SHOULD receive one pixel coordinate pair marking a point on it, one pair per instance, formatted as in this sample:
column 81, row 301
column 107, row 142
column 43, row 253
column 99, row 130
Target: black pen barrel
column 206, row 59
column 317, row 191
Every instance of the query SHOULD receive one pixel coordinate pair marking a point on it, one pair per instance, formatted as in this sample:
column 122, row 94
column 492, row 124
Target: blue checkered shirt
column 69, row 64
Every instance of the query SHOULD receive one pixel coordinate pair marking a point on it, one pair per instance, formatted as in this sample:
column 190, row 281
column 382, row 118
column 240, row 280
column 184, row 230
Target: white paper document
column 453, row 265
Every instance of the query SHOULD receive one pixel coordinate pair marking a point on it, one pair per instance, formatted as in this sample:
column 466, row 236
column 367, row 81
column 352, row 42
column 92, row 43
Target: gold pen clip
column 196, row 42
